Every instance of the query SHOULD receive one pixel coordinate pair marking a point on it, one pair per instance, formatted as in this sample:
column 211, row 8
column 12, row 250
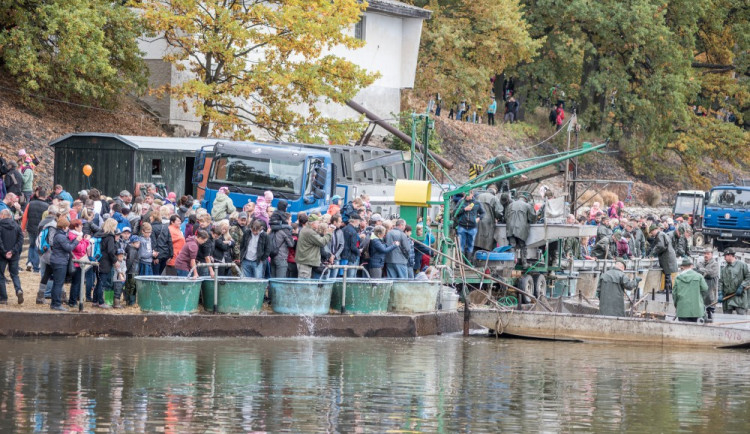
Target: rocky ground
column 24, row 127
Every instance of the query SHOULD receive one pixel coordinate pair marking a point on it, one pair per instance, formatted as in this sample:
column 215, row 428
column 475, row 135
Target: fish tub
column 235, row 294
column 300, row 296
column 362, row 295
column 414, row 296
column 168, row 294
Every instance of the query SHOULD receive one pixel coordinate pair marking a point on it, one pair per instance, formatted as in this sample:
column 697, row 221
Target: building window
column 155, row 167
column 359, row 28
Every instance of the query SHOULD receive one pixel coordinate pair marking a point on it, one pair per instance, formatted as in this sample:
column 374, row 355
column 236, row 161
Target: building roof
column 397, row 8
column 184, row 144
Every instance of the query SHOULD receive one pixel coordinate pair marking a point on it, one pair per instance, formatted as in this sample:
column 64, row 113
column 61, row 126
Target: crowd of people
column 619, row 236
column 129, row 236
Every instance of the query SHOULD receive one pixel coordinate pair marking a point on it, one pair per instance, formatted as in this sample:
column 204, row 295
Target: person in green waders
column 611, row 290
column 735, row 282
column 690, row 288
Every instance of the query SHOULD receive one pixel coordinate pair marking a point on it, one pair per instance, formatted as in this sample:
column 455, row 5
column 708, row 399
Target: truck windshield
column 259, row 173
column 730, row 198
column 688, row 204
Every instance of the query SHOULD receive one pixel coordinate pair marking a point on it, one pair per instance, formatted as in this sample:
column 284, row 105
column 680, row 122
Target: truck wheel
column 540, row 286
column 526, row 284
column 698, row 239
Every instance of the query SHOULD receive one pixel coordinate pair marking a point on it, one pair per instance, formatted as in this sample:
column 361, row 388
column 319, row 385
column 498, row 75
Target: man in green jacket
column 735, row 280
column 690, row 288
column 611, row 290
column 311, row 239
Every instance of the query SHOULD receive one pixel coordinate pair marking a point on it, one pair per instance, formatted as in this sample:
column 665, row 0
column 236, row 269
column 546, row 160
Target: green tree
column 263, row 63
column 629, row 65
column 467, row 42
column 83, row 49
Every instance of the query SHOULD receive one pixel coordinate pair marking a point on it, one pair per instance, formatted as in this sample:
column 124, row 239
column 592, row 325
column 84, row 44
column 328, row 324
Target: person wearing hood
column 662, row 248
column 223, row 205
column 11, row 244
column 261, row 210
column 690, row 289
column 281, row 235
column 61, row 249
column 611, row 290
column 106, row 262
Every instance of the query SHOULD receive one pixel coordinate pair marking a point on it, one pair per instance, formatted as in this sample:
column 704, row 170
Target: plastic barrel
column 362, row 295
column 300, row 296
column 235, row 294
column 167, row 294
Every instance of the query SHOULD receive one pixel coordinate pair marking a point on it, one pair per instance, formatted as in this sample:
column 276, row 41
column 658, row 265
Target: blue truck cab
column 304, row 177
column 727, row 215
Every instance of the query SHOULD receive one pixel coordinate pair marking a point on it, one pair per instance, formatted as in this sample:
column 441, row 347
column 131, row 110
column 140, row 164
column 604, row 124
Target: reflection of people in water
column 726, row 198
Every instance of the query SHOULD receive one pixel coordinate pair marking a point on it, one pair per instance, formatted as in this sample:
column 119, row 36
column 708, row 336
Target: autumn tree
column 467, row 42
column 263, row 63
column 82, row 49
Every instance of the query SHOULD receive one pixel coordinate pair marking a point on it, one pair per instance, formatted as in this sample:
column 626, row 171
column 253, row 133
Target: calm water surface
column 440, row 384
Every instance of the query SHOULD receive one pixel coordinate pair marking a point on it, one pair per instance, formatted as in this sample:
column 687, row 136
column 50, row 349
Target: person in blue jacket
column 378, row 250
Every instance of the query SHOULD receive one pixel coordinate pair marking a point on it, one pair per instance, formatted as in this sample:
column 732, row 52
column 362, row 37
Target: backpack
column 273, row 245
column 553, row 116
column 95, row 249
column 42, row 241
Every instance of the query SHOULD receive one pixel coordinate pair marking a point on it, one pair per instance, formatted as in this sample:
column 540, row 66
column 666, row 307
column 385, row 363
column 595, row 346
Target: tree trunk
column 205, row 120
column 589, row 97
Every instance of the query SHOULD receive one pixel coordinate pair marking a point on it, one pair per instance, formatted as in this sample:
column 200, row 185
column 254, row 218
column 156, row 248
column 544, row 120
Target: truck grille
column 731, row 222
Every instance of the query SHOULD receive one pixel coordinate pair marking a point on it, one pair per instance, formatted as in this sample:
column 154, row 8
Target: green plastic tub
column 109, row 297
column 235, row 294
column 167, row 294
column 413, row 296
column 301, row 296
column 362, row 295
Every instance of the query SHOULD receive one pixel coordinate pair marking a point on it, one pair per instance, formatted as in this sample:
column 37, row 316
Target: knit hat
column 21, row 152
column 268, row 195
column 224, row 190
column 172, row 195
column 242, row 215
column 686, row 262
column 282, row 205
column 652, row 228
column 313, row 218
column 134, row 239
column 621, row 261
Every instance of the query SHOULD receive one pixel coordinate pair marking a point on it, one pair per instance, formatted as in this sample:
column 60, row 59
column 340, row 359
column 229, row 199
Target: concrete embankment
column 15, row 324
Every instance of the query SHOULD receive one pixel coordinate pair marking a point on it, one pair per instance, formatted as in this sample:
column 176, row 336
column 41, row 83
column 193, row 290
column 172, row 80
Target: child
column 134, row 245
column 145, row 252
column 121, row 269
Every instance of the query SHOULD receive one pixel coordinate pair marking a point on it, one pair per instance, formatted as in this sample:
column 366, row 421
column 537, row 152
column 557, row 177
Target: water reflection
column 445, row 384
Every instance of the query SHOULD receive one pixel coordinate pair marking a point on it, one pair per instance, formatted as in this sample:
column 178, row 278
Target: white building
column 391, row 31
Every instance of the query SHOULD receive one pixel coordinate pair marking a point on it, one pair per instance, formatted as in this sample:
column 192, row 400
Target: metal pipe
column 396, row 132
column 215, row 266
column 81, row 293
column 343, row 280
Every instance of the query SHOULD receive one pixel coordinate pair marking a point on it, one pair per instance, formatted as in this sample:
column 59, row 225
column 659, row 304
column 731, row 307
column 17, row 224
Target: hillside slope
column 22, row 127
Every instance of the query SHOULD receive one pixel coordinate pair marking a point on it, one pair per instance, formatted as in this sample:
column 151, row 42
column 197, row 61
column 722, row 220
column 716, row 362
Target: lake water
column 437, row 384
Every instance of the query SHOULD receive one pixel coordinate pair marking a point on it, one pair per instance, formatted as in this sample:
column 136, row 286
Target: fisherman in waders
column 710, row 272
column 735, row 280
column 611, row 290
column 690, row 289
column 662, row 248
column 519, row 216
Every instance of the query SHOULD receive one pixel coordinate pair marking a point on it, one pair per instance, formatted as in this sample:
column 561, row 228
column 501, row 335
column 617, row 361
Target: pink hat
column 21, row 152
column 172, row 195
column 224, row 190
column 268, row 195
